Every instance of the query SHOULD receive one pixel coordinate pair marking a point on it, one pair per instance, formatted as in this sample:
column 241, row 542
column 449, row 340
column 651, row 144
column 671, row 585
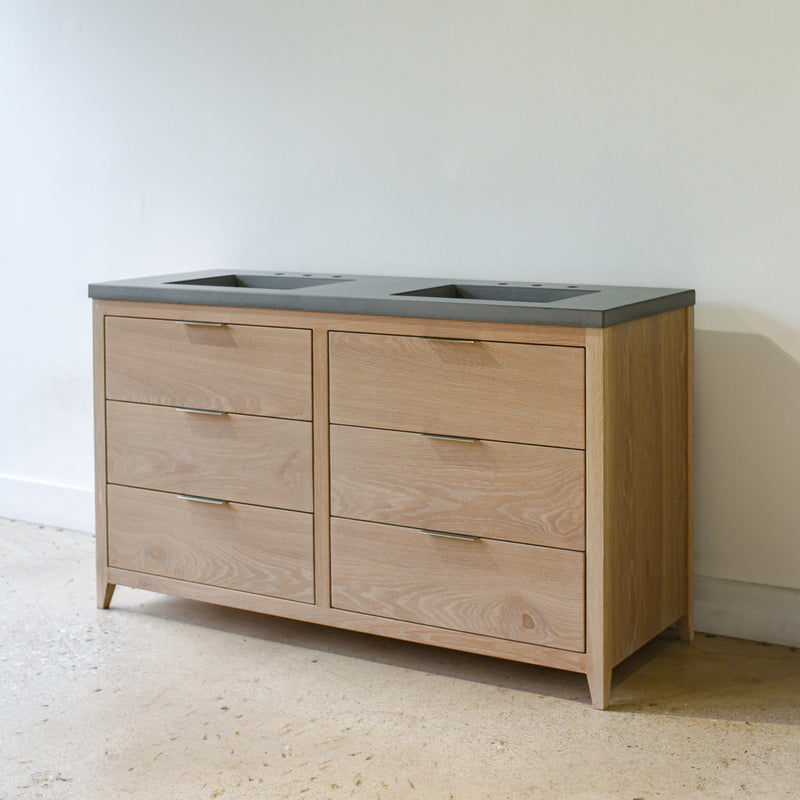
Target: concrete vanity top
column 580, row 305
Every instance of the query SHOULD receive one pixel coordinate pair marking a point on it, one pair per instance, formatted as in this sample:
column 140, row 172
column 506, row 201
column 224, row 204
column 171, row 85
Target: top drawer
column 487, row 390
column 236, row 368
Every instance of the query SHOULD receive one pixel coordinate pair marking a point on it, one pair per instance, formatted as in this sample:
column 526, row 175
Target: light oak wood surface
column 322, row 573
column 369, row 323
column 627, row 401
column 639, row 488
column 496, row 490
column 598, row 593
column 686, row 622
column 249, row 548
column 491, row 390
column 104, row 588
column 350, row 620
column 512, row 591
column 646, row 478
column 246, row 459
column 240, row 368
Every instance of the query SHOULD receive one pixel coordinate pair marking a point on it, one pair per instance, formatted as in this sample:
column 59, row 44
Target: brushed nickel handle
column 196, row 499
column 204, row 324
column 202, row 411
column 449, row 339
column 449, row 438
column 444, row 535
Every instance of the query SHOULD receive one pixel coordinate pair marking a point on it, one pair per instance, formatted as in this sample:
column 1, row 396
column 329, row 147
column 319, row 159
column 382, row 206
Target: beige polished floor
column 164, row 698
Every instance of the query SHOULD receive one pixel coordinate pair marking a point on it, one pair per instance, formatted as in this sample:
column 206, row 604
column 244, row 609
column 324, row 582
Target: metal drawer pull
column 450, row 535
column 448, row 339
column 204, row 324
column 196, row 499
column 449, row 438
column 202, row 411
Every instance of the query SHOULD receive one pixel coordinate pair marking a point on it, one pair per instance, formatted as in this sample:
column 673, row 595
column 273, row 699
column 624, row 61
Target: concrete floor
column 164, row 698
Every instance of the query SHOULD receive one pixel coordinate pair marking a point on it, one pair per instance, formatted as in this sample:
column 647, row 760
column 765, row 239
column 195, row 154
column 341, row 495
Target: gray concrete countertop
column 580, row 305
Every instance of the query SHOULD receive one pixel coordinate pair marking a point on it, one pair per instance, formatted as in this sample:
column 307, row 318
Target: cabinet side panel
column 104, row 589
column 598, row 651
column 686, row 626
column 646, row 477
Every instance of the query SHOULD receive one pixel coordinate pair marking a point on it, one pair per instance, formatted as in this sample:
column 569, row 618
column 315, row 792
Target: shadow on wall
column 747, row 405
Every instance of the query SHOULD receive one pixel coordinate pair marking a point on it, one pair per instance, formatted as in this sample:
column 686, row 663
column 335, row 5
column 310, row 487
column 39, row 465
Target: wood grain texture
column 409, row 326
column 105, row 589
column 512, row 591
column 646, row 478
column 321, row 470
column 491, row 390
column 410, row 631
column 638, row 481
column 599, row 660
column 238, row 368
column 686, row 622
column 496, row 490
column 246, row 459
column 249, row 548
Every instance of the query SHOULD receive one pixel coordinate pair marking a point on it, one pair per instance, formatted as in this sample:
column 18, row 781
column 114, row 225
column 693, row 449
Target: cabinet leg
column 599, row 687
column 105, row 591
column 686, row 628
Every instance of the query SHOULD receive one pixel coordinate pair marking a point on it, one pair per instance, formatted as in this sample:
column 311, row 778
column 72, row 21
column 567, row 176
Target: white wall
column 637, row 142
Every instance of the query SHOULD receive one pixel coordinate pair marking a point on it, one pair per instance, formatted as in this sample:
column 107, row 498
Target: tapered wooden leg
column 686, row 628
column 599, row 688
column 105, row 591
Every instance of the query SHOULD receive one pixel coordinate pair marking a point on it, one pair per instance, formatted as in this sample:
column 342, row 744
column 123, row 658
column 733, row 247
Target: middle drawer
column 521, row 493
column 235, row 457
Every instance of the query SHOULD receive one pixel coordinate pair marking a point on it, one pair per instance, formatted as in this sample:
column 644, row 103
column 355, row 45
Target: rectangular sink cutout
column 513, row 294
column 283, row 282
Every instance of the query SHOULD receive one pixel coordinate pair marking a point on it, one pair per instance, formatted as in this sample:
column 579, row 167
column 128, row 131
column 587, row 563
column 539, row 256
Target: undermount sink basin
column 283, row 282
column 513, row 294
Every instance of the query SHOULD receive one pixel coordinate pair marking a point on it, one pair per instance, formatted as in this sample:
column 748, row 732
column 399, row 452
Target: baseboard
column 69, row 507
column 747, row 610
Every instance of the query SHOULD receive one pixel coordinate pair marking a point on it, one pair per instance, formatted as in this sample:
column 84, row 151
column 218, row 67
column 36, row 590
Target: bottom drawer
column 250, row 548
column 512, row 591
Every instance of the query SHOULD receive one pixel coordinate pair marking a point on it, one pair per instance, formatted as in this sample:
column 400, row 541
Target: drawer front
column 501, row 589
column 240, row 368
column 233, row 457
column 496, row 490
column 249, row 548
column 491, row 390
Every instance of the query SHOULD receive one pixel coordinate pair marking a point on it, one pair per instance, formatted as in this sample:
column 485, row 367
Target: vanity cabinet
column 521, row 491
